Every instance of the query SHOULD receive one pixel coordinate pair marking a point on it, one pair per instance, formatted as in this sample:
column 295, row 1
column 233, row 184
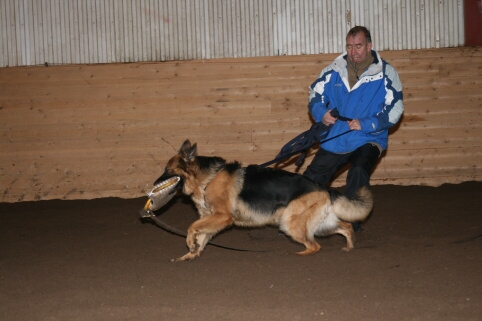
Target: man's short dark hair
column 355, row 30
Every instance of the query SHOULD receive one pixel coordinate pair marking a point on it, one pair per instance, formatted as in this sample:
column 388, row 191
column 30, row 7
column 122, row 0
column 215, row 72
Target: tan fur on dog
column 227, row 194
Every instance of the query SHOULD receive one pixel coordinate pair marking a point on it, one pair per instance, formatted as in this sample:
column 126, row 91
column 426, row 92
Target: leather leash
column 151, row 217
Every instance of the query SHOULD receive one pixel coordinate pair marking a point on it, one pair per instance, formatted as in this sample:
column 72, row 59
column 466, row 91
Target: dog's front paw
column 188, row 257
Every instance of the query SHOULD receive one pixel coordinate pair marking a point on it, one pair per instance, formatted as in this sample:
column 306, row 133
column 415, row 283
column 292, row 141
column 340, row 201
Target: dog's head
column 179, row 164
column 194, row 170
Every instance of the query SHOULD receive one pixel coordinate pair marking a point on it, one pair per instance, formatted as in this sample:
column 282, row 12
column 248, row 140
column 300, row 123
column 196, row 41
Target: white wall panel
column 33, row 32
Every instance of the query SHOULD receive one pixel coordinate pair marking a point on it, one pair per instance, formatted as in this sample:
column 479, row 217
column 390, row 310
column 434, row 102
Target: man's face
column 357, row 48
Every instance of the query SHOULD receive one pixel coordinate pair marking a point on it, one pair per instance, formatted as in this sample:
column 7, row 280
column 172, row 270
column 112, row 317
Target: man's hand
column 327, row 119
column 354, row 124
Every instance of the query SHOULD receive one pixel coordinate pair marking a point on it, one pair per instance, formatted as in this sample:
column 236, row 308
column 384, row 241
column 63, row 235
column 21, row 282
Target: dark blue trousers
column 362, row 161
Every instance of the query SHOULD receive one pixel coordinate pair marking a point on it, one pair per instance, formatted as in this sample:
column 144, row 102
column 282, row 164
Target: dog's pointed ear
column 185, row 146
column 190, row 154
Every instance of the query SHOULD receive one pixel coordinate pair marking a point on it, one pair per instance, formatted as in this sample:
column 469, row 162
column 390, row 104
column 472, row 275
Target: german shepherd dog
column 227, row 194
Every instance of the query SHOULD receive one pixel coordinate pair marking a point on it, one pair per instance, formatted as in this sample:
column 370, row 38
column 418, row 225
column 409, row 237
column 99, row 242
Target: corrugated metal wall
column 33, row 32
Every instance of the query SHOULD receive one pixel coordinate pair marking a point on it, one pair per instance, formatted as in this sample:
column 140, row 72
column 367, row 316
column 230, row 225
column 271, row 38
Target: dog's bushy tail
column 354, row 209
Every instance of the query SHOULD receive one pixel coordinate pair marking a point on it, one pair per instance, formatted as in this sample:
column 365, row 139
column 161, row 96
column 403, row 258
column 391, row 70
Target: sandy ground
column 419, row 257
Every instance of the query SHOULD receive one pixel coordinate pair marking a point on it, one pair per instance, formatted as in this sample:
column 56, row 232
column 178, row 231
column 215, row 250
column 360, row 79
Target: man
column 366, row 90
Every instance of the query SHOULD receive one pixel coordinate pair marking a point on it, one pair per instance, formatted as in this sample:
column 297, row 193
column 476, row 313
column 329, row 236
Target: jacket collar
column 374, row 72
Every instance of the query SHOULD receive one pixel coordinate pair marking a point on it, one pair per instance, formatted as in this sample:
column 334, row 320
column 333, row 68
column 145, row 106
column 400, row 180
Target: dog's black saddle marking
column 268, row 189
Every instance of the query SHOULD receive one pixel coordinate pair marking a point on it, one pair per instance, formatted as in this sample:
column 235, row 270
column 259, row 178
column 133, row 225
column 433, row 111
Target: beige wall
column 89, row 131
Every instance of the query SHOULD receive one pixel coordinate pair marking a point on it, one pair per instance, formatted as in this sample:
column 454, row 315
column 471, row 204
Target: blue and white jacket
column 376, row 100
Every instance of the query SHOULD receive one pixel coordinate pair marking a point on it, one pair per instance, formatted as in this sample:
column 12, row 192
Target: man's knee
column 309, row 173
column 317, row 177
column 365, row 156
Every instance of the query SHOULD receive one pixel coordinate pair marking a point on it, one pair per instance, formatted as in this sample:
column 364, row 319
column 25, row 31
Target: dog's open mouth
column 160, row 195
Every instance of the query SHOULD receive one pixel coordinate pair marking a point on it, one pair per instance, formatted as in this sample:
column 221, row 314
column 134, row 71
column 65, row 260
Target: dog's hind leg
column 201, row 231
column 346, row 229
column 312, row 246
column 297, row 226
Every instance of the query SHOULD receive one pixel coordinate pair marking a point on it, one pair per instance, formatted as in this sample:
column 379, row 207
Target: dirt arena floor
column 419, row 257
